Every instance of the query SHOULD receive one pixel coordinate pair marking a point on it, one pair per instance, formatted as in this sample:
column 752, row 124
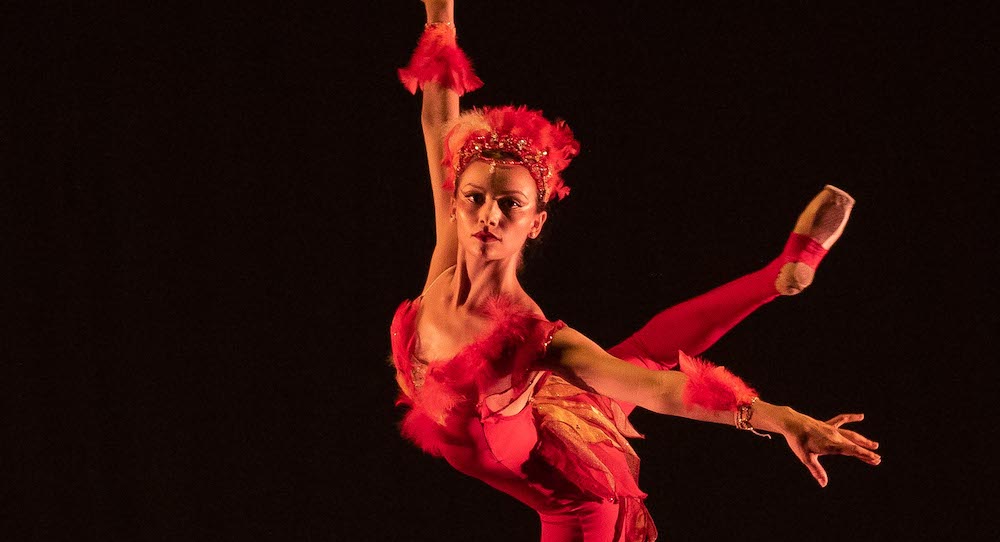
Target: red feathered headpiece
column 511, row 135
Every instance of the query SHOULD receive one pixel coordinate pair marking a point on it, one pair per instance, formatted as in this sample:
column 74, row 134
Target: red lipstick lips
column 485, row 236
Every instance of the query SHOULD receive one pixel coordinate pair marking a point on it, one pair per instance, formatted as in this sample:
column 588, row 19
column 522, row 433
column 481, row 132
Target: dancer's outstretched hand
column 810, row 438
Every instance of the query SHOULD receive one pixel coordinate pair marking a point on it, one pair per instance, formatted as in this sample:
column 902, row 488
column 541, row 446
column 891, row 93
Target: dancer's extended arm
column 580, row 361
column 440, row 106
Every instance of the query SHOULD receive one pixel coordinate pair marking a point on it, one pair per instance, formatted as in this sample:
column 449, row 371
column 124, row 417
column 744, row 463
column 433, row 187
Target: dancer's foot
column 817, row 229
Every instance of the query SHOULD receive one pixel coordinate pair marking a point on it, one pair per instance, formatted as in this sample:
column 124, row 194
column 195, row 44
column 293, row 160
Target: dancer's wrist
column 440, row 11
column 772, row 418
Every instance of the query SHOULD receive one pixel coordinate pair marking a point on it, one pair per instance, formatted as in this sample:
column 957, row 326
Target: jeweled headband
column 511, row 136
column 506, row 150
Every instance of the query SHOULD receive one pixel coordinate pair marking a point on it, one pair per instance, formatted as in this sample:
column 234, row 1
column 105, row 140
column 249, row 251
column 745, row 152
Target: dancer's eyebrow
column 517, row 192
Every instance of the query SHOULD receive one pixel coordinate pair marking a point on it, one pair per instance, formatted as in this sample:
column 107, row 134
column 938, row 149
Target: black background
column 212, row 212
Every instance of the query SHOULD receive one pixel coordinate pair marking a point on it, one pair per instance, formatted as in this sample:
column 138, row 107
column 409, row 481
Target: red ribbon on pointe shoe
column 805, row 249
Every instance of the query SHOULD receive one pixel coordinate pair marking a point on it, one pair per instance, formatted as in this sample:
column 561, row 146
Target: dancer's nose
column 490, row 213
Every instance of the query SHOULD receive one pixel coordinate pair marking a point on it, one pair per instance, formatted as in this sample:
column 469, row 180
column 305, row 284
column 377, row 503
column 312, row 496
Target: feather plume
column 422, row 431
column 438, row 58
column 712, row 387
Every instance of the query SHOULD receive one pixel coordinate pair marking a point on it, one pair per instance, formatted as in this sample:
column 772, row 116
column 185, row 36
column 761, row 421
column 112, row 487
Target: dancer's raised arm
column 441, row 70
column 440, row 106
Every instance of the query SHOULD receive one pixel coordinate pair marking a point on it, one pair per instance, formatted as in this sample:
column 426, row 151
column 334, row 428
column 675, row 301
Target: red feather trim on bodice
column 452, row 388
column 581, row 436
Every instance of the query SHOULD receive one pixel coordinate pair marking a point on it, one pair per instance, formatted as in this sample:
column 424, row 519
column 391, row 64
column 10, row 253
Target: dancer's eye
column 509, row 203
column 475, row 197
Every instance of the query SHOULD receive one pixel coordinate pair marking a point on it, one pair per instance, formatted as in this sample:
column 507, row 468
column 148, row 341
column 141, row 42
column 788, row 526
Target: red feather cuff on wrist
column 712, row 387
column 438, row 58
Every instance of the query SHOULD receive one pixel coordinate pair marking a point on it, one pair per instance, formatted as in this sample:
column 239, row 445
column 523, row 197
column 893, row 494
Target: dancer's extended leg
column 695, row 325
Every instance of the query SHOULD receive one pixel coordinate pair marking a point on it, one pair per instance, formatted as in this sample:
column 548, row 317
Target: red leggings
column 696, row 324
column 588, row 522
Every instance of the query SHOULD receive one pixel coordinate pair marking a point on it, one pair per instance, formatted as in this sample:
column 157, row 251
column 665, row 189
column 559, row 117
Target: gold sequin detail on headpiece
column 514, row 151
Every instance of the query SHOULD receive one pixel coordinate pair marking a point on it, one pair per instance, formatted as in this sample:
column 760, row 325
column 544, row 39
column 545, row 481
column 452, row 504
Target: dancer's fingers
column 811, row 461
column 859, row 439
column 841, row 419
column 853, row 450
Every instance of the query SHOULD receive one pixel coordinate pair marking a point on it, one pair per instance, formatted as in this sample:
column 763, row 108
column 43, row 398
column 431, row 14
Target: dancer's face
column 496, row 210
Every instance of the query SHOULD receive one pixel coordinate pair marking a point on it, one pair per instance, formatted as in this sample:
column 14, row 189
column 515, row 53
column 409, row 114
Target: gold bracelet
column 447, row 24
column 742, row 418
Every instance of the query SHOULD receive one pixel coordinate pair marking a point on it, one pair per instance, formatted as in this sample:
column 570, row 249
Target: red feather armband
column 713, row 387
column 438, row 58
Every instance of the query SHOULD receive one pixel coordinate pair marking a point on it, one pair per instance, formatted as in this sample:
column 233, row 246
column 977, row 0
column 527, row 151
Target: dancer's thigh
column 588, row 522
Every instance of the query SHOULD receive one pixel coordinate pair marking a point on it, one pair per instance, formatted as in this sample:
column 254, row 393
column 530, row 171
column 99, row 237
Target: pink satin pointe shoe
column 817, row 229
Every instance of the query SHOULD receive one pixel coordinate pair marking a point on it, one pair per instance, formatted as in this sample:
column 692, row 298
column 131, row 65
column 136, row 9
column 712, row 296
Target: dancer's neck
column 476, row 280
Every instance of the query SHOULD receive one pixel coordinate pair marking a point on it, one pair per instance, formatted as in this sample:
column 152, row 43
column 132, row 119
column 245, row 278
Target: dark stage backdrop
column 215, row 209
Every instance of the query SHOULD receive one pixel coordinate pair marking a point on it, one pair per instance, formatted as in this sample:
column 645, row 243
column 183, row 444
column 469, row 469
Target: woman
column 531, row 406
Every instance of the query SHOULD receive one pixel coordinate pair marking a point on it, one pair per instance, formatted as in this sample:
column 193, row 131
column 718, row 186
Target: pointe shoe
column 819, row 226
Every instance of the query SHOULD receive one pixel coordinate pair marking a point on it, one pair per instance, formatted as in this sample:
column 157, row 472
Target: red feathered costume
column 566, row 453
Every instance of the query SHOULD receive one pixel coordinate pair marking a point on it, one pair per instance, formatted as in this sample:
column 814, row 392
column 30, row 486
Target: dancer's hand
column 810, row 438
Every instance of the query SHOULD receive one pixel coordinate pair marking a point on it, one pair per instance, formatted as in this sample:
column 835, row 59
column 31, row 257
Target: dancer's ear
column 537, row 223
